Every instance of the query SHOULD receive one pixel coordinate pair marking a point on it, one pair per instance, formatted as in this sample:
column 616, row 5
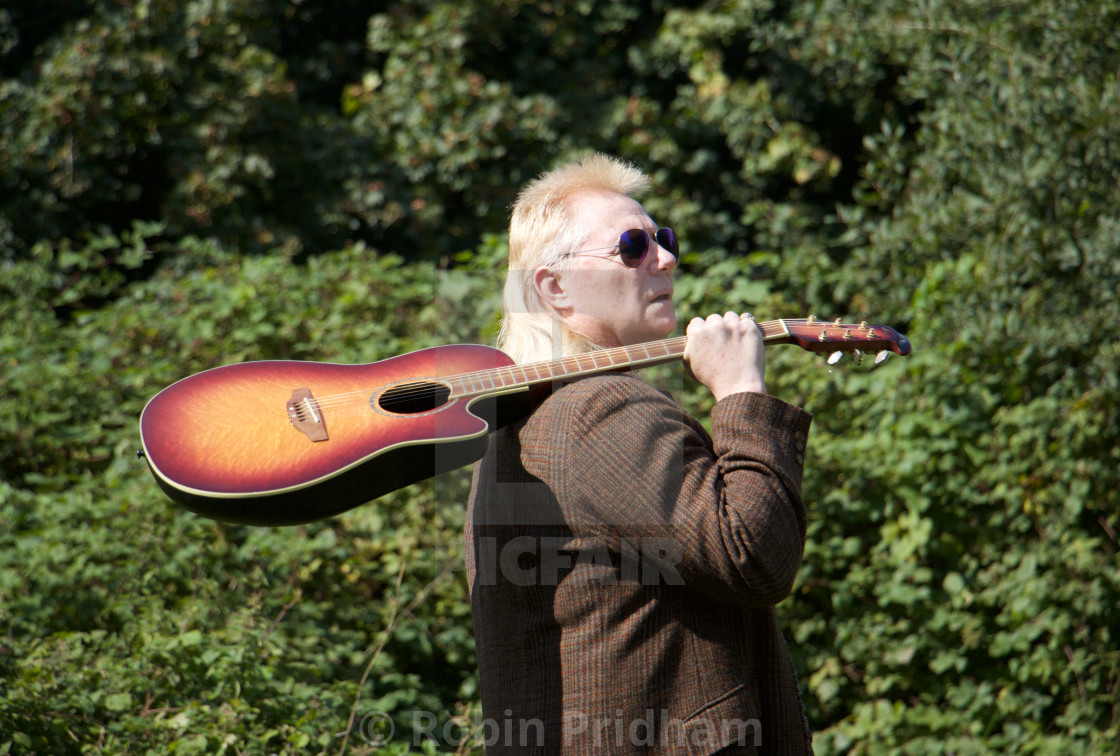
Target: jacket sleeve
column 724, row 513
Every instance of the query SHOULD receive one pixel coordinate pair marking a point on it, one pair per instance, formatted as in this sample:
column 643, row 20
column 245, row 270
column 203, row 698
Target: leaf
column 119, row 702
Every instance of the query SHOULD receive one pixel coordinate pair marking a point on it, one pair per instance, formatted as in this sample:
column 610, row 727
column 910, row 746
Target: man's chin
column 662, row 324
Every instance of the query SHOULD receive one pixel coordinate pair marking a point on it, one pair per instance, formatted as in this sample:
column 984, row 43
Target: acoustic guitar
column 283, row 442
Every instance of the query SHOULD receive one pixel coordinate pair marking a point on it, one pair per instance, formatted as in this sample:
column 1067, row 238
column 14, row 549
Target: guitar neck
column 599, row 361
column 630, row 357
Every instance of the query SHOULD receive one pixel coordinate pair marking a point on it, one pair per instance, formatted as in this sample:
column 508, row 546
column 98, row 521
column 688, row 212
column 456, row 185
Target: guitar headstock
column 837, row 337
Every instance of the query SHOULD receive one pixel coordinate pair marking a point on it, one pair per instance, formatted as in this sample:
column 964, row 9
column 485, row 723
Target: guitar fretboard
column 647, row 354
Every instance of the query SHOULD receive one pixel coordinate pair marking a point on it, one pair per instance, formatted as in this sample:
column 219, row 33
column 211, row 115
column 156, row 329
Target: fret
column 592, row 362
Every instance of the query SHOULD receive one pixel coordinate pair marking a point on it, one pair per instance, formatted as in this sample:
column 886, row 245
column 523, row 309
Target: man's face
column 613, row 304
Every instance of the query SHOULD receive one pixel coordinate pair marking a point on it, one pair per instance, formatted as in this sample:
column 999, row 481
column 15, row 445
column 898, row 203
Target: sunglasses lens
column 632, row 246
column 667, row 238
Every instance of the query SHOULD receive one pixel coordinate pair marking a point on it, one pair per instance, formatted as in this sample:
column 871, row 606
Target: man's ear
column 551, row 290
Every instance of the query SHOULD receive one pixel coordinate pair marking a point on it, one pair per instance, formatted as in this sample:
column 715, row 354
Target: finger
column 693, row 328
column 750, row 324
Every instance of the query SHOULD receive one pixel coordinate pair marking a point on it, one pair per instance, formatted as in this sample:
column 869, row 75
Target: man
column 624, row 566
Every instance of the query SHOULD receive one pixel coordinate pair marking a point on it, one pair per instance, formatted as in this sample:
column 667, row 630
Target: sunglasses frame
column 626, row 241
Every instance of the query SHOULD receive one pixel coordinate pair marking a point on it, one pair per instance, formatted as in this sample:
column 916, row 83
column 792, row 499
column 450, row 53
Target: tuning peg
column 835, row 357
column 882, row 357
column 857, row 356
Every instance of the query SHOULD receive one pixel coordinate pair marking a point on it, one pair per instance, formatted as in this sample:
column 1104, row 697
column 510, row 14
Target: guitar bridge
column 305, row 415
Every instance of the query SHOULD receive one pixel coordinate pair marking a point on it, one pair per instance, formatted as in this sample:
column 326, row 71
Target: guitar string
column 493, row 375
column 492, row 379
column 424, row 387
column 437, row 393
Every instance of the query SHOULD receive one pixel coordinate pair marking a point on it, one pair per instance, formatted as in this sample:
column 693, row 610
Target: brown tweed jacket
column 624, row 566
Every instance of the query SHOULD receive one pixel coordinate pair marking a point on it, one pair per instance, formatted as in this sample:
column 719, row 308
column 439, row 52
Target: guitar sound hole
column 414, row 398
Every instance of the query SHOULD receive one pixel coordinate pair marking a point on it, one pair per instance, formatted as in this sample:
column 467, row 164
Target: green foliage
column 186, row 184
column 181, row 113
column 130, row 624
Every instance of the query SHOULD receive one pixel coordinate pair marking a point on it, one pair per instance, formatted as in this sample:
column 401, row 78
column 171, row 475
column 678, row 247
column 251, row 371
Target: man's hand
column 726, row 354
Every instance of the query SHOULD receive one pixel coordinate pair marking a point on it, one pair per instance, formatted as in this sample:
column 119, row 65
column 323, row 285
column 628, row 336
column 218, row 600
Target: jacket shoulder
column 597, row 396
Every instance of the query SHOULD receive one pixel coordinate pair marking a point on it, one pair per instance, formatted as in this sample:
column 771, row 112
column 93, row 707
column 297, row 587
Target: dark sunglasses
column 634, row 244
